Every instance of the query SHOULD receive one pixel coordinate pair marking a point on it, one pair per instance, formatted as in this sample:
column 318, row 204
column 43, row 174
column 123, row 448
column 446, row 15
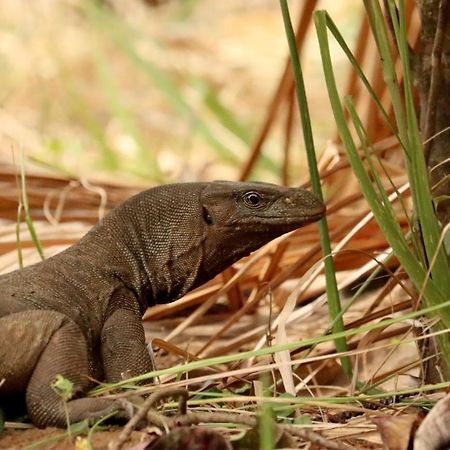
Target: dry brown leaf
column 396, row 431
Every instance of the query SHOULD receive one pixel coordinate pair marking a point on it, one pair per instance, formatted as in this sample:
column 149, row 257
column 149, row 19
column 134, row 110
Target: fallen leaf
column 396, row 431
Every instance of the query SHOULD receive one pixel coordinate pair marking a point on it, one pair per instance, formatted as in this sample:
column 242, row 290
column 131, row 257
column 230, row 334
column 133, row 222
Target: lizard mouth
column 288, row 223
column 290, row 219
column 311, row 216
column 291, row 222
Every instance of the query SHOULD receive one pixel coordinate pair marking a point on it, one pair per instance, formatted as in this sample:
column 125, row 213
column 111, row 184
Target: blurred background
column 150, row 92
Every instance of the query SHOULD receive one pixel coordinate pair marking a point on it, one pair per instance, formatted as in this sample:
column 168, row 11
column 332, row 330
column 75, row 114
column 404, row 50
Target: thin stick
column 182, row 393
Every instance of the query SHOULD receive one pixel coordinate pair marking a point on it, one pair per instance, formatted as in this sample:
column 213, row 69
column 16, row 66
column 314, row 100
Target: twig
column 143, row 411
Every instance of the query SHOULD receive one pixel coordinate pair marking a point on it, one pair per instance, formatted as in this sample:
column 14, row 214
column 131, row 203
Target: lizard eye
column 252, row 199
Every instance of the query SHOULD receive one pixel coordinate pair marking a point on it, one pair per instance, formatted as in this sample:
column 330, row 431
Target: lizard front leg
column 123, row 348
column 58, row 347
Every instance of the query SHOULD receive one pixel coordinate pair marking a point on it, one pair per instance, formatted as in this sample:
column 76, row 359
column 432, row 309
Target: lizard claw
column 127, row 407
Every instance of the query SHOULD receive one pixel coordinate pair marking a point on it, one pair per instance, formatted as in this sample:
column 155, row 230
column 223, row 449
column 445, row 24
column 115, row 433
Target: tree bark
column 431, row 72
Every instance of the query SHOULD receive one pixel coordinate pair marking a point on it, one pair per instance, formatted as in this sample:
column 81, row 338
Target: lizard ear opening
column 207, row 217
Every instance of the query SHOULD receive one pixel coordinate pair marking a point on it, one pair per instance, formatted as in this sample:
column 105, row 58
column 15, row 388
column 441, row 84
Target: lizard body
column 79, row 312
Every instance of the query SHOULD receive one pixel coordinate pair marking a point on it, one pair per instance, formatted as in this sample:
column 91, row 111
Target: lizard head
column 250, row 208
column 238, row 218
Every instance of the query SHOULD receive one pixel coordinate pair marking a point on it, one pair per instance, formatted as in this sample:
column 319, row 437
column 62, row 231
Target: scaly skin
column 79, row 313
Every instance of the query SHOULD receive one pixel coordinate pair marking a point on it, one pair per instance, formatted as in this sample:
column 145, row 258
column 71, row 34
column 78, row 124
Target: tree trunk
column 431, row 69
column 431, row 74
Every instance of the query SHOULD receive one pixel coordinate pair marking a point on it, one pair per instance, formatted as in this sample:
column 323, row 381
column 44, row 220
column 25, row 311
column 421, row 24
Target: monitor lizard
column 79, row 312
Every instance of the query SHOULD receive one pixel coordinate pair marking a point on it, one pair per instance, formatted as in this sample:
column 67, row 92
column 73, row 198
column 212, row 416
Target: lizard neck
column 139, row 247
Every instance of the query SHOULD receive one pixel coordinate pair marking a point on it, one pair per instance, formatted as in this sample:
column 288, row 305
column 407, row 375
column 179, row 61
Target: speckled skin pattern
column 79, row 313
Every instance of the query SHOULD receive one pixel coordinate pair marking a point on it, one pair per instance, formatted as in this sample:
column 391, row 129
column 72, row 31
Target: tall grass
column 431, row 282
column 330, row 272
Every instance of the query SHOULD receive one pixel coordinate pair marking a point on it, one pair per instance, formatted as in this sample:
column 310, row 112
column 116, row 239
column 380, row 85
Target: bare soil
column 18, row 439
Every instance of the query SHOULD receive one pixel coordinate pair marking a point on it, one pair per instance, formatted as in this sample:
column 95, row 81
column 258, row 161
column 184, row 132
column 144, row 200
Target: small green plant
column 64, row 388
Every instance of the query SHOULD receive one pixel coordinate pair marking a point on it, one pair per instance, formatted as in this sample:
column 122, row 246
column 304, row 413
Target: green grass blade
column 405, row 114
column 382, row 213
column 346, row 49
column 419, row 173
column 380, row 190
column 378, row 26
column 18, row 240
column 340, row 40
column 306, row 343
column 26, row 208
column 334, row 304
